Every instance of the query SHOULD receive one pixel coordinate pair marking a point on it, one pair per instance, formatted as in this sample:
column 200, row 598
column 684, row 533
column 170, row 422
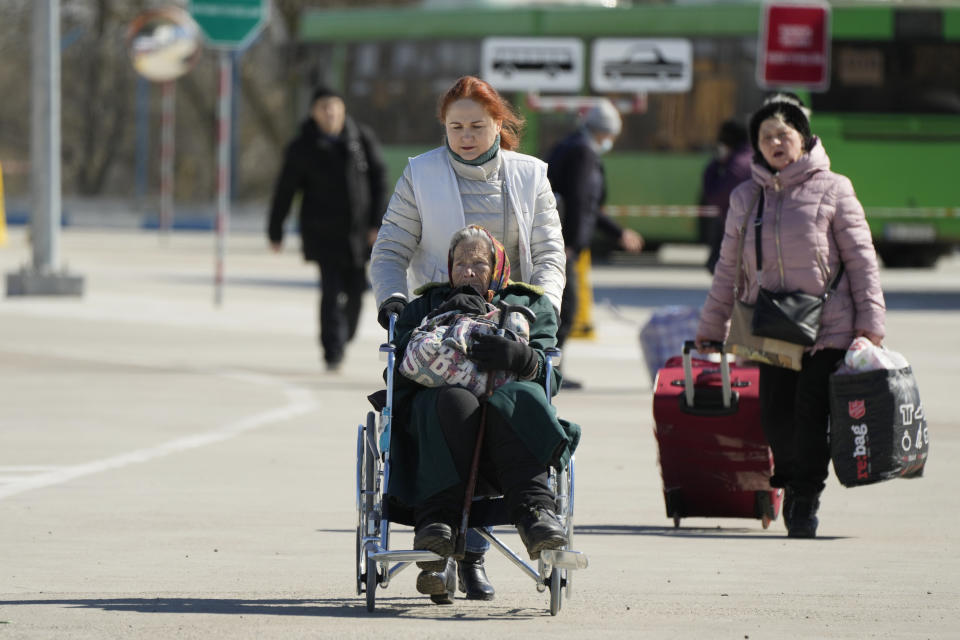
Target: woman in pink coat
column 812, row 223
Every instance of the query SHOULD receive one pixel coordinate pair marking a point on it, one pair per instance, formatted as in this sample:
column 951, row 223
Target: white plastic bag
column 862, row 355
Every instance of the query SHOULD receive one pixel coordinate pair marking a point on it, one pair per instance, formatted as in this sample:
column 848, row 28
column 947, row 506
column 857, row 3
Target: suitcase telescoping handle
column 690, row 345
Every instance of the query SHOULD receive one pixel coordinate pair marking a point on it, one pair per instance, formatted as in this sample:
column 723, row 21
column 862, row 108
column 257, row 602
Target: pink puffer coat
column 811, row 221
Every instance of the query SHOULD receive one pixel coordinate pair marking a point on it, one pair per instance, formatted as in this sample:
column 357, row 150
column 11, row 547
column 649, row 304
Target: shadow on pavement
column 776, row 531
column 740, row 533
column 317, row 607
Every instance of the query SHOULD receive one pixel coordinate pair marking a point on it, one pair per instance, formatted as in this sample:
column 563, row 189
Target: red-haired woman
column 474, row 178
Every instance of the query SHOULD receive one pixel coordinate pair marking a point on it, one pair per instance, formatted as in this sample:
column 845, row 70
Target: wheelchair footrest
column 412, row 555
column 564, row 559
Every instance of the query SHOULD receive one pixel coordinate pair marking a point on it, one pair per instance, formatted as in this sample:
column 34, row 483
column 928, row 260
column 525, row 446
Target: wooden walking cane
column 460, row 550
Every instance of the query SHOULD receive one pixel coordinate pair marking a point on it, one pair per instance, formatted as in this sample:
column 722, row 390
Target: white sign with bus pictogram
column 533, row 64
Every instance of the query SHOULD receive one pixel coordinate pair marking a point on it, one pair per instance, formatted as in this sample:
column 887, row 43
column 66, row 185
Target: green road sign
column 230, row 24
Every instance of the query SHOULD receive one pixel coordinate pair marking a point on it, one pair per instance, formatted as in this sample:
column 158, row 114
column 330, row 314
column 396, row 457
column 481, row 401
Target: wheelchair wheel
column 371, row 583
column 366, row 486
column 361, row 515
column 569, row 476
column 556, row 590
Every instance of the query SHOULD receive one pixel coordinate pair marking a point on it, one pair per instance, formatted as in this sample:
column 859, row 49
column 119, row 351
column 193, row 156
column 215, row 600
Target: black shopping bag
column 878, row 430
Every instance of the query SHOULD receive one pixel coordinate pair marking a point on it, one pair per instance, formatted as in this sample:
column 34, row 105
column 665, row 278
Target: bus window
column 893, row 77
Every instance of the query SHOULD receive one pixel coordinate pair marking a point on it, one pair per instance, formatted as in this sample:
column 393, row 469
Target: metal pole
column 45, row 137
column 223, row 171
column 167, row 129
column 44, row 275
column 143, row 138
column 235, row 56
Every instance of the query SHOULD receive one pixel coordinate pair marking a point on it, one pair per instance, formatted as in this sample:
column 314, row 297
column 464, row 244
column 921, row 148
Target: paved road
column 168, row 468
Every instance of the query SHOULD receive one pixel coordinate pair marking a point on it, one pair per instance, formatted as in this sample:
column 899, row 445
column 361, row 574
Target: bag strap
column 740, row 277
column 833, row 283
column 758, row 225
column 758, row 232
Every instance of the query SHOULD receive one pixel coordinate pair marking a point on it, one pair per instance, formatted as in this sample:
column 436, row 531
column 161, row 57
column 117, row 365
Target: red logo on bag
column 857, row 409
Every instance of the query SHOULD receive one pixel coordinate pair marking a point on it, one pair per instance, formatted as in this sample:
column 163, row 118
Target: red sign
column 794, row 47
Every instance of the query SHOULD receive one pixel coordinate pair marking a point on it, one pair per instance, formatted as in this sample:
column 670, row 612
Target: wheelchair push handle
column 506, row 309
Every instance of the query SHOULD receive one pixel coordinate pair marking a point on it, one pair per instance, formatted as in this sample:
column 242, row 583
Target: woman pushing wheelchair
column 459, row 376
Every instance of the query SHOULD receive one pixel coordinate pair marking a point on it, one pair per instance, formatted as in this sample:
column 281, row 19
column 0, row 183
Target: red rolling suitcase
column 714, row 458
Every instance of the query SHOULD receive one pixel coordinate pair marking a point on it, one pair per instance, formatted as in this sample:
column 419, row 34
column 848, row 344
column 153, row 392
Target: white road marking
column 300, row 402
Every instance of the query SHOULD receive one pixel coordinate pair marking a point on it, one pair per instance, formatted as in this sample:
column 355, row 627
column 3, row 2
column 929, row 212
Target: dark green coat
column 421, row 464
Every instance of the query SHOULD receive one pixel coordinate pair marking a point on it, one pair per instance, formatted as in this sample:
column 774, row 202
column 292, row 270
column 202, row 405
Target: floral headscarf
column 500, row 273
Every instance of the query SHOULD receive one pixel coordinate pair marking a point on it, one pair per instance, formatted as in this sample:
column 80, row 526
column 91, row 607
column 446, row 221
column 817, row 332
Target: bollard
column 583, row 321
column 3, row 212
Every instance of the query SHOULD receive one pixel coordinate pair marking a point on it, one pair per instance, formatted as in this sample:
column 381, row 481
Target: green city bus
column 890, row 118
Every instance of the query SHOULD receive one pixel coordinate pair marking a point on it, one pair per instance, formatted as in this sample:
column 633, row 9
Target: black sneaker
column 436, row 537
column 540, row 529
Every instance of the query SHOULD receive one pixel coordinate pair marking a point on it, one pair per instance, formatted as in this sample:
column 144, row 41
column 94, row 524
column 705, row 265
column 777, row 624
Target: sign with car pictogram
column 794, row 46
column 533, row 64
column 654, row 65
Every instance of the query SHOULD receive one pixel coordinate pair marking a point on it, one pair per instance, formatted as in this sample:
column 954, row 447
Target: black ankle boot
column 802, row 519
column 473, row 577
column 441, row 586
column 540, row 529
column 787, row 508
column 437, row 537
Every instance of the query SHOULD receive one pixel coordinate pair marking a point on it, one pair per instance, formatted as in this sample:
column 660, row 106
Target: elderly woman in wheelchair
column 484, row 381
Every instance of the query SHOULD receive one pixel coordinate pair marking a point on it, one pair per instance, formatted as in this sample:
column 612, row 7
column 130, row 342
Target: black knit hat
column 733, row 134
column 325, row 91
column 794, row 114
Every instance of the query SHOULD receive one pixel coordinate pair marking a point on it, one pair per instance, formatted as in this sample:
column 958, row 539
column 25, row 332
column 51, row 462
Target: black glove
column 390, row 305
column 498, row 353
column 465, row 300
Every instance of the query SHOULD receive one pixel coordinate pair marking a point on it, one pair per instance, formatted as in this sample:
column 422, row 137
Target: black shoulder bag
column 789, row 316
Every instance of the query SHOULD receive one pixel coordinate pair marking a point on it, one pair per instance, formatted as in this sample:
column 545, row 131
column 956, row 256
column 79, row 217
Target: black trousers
column 569, row 302
column 505, row 462
column 795, row 409
column 341, row 294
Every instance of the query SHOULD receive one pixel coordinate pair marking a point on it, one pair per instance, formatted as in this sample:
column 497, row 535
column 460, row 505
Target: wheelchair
column 377, row 564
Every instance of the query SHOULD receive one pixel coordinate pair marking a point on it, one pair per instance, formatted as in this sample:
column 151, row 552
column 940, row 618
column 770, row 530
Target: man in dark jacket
column 575, row 170
column 337, row 167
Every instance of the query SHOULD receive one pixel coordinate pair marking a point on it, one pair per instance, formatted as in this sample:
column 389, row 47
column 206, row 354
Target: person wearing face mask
column 576, row 173
column 474, row 178
column 729, row 167
column 813, row 235
column 337, row 167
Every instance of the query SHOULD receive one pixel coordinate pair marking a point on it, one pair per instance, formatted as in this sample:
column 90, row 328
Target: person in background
column 577, row 175
column 474, row 177
column 813, row 225
column 337, row 167
column 728, row 168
